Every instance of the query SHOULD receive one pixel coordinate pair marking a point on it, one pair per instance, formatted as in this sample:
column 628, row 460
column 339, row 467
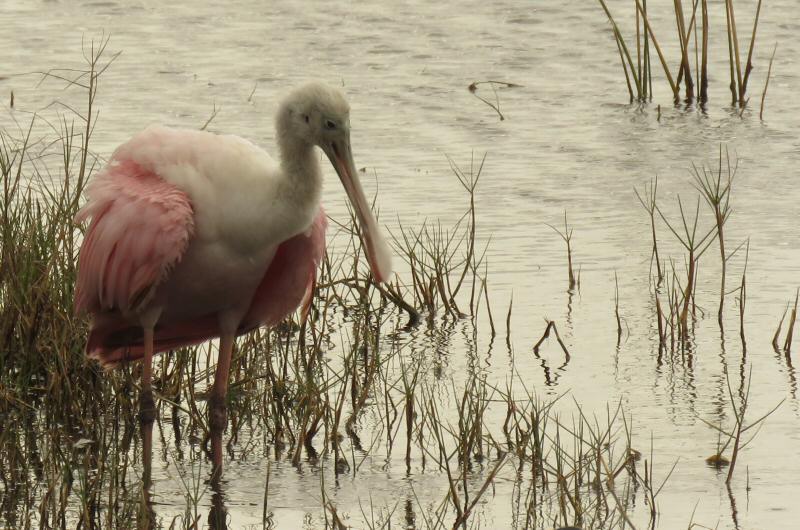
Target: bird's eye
column 330, row 125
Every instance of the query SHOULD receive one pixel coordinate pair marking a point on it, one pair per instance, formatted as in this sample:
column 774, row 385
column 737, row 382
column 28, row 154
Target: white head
column 317, row 114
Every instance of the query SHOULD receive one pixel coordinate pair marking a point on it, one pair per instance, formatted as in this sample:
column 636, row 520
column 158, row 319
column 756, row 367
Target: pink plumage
column 289, row 278
column 141, row 227
column 194, row 236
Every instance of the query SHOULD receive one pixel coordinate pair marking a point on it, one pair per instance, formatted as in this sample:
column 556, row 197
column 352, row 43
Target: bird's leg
column 308, row 299
column 147, row 406
column 217, row 408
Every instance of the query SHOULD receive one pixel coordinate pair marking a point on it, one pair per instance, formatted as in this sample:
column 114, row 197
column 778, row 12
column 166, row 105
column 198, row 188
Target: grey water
column 570, row 142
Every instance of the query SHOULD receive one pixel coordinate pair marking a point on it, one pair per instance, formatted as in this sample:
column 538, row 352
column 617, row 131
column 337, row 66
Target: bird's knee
column 147, row 408
column 217, row 414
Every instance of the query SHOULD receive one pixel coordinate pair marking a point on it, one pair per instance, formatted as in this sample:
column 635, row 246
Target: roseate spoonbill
column 195, row 236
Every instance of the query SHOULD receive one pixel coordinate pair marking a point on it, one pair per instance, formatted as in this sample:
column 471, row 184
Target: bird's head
column 318, row 114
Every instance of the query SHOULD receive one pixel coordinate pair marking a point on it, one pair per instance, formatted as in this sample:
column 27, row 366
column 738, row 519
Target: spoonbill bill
column 194, row 236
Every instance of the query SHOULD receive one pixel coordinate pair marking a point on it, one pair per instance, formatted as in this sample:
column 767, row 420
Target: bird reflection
column 147, row 514
column 218, row 515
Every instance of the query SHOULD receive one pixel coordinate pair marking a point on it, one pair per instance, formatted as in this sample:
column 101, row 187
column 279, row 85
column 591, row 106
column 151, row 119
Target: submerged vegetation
column 344, row 390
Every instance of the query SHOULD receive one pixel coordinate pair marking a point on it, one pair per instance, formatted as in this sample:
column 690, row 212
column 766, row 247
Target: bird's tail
column 113, row 342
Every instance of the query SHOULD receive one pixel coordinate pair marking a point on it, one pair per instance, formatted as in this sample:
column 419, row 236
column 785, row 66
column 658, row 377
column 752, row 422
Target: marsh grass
column 566, row 235
column 675, row 294
column 716, row 192
column 766, row 82
column 648, row 200
column 787, row 343
column 332, row 392
column 493, row 85
column 638, row 70
column 733, row 437
column 696, row 245
column 75, row 458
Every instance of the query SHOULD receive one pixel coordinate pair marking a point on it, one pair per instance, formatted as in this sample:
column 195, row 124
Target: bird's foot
column 217, row 413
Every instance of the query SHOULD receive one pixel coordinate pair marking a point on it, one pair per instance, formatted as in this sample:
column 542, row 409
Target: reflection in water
column 722, row 380
column 687, row 357
column 570, row 294
column 786, row 356
column 734, row 511
column 218, row 515
column 742, row 301
column 147, row 514
column 550, row 376
column 742, row 374
column 409, row 515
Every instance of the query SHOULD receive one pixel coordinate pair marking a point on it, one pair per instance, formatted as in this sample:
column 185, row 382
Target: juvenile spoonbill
column 195, row 236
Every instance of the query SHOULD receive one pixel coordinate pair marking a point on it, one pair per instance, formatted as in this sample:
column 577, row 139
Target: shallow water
column 570, row 142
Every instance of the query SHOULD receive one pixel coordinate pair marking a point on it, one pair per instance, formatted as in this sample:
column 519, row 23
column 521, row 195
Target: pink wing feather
column 290, row 279
column 286, row 284
column 140, row 228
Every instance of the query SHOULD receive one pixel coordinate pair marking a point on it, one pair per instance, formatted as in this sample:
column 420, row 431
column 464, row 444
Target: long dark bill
column 378, row 255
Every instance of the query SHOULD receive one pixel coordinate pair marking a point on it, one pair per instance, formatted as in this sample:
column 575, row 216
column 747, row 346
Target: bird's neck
column 302, row 176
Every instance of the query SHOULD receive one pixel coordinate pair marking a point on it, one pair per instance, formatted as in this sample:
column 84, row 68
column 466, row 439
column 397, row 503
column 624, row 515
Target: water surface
column 569, row 142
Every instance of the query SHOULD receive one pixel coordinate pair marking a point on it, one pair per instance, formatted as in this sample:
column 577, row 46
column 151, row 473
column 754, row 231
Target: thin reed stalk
column 777, row 334
column 766, row 82
column 647, row 75
column 787, row 344
column 716, row 192
column 704, row 67
column 733, row 47
column 650, row 193
column 667, row 73
column 616, row 307
column 749, row 66
column 566, row 235
column 696, row 246
column 625, row 56
column 685, row 70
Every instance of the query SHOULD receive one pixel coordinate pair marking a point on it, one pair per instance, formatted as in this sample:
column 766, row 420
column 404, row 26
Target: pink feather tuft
column 140, row 228
column 287, row 281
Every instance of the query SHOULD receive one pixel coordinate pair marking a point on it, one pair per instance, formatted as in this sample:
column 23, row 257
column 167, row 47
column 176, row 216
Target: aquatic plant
column 638, row 73
column 362, row 382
